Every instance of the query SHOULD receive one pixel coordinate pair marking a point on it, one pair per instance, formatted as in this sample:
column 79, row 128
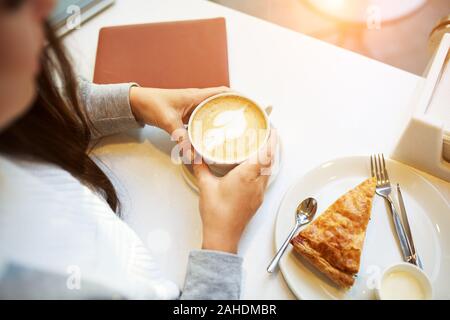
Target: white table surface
column 326, row 104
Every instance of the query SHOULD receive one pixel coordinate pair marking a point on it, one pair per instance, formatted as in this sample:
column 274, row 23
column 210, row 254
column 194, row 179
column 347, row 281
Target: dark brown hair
column 56, row 129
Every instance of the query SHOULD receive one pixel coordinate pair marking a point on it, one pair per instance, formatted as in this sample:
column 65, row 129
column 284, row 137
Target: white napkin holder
column 425, row 143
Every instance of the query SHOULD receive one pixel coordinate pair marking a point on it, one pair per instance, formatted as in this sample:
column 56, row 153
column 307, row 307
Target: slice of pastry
column 333, row 242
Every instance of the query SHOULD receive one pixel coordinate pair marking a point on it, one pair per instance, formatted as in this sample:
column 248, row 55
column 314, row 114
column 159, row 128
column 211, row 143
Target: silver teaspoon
column 304, row 214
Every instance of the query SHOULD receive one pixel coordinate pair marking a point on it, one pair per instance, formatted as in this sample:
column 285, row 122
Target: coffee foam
column 228, row 128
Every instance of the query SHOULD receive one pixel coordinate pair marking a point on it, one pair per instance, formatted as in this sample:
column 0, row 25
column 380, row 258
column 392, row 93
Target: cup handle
column 268, row 110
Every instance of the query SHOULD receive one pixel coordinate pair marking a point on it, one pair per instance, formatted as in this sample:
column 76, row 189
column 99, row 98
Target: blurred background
column 395, row 32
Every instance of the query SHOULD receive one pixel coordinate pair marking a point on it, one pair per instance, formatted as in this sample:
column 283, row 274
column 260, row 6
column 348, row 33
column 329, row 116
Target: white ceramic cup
column 221, row 166
column 413, row 271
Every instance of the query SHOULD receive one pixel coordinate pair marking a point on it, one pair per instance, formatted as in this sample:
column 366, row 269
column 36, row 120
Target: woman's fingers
column 257, row 168
column 183, row 150
column 202, row 94
column 267, row 157
column 202, row 173
column 195, row 96
column 259, row 165
column 180, row 134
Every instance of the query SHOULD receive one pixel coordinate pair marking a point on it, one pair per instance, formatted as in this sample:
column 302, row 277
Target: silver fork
column 383, row 189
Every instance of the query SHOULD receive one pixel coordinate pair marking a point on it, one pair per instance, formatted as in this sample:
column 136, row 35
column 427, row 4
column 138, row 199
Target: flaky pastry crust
column 333, row 242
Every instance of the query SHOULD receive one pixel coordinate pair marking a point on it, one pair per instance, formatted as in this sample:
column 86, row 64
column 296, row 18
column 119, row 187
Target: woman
column 59, row 236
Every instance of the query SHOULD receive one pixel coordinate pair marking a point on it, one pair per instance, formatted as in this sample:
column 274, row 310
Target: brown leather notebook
column 181, row 54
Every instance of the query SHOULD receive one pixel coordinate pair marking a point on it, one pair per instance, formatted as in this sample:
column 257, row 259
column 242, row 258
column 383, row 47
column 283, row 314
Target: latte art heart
column 228, row 128
column 228, row 125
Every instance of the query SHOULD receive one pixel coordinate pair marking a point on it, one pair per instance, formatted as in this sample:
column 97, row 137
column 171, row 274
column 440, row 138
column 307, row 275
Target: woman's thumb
column 201, row 171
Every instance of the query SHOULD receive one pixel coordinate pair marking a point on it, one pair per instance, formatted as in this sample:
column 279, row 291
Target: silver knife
column 407, row 228
column 400, row 231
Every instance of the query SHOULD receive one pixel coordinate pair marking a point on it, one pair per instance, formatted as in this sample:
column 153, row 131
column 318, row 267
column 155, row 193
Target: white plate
column 429, row 218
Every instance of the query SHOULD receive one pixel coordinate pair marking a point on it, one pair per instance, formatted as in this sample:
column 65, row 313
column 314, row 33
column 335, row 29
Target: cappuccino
column 228, row 128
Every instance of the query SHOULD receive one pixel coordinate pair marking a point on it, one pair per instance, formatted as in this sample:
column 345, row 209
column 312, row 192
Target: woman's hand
column 228, row 203
column 168, row 109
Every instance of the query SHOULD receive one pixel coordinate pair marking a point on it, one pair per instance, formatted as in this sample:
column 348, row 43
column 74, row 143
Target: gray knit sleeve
column 108, row 107
column 212, row 275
